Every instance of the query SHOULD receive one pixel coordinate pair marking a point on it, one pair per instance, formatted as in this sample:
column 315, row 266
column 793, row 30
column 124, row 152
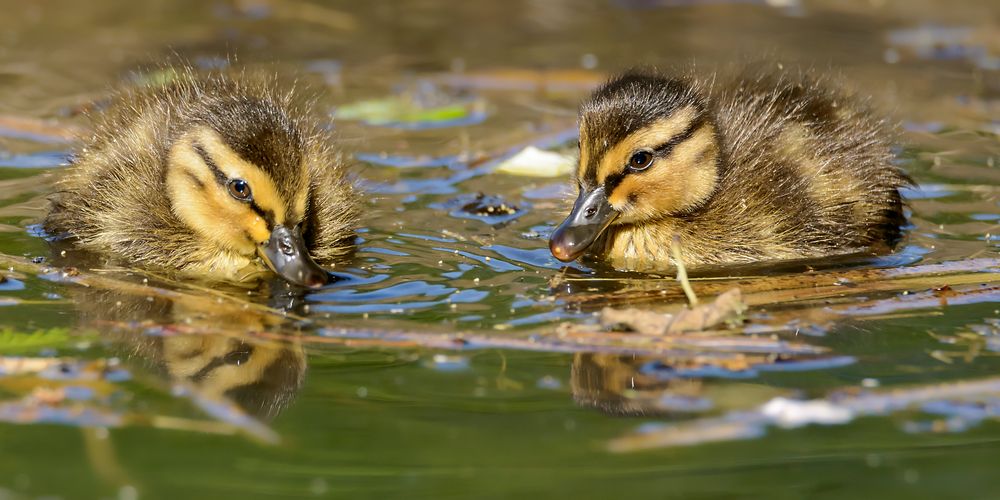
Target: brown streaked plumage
column 767, row 166
column 210, row 175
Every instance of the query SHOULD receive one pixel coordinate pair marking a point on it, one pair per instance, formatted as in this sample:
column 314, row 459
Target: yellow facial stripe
column 649, row 137
column 265, row 194
column 679, row 182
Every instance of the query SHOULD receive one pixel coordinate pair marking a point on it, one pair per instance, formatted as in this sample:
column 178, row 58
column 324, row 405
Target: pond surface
column 433, row 366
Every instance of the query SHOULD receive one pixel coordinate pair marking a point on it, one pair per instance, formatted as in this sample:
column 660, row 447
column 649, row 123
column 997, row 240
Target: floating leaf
column 422, row 109
column 726, row 308
column 12, row 341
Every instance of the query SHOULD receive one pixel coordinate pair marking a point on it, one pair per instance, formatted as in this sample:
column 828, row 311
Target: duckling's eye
column 641, row 160
column 239, row 189
column 239, row 355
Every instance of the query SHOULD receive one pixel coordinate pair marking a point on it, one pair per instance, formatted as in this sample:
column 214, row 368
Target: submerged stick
column 222, row 303
column 801, row 287
column 839, row 407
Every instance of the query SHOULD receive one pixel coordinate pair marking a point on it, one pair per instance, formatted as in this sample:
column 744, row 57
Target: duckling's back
column 806, row 171
column 110, row 198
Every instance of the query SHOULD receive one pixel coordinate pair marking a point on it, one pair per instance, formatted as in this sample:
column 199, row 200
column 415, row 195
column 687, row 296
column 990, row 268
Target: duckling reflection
column 616, row 384
column 260, row 376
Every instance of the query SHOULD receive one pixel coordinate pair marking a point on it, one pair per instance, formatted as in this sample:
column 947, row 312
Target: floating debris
column 726, row 309
column 974, row 400
column 534, row 162
column 490, row 209
column 488, row 206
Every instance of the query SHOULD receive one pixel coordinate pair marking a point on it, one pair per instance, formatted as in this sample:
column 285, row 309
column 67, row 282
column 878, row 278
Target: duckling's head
column 236, row 173
column 648, row 150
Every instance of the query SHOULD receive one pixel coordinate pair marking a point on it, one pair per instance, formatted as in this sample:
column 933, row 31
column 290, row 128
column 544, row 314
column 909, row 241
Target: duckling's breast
column 638, row 247
column 230, row 266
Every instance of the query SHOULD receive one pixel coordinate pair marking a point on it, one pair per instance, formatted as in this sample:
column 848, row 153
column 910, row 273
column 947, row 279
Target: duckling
column 767, row 167
column 211, row 175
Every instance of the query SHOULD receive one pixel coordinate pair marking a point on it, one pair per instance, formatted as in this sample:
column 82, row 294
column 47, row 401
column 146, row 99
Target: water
column 363, row 390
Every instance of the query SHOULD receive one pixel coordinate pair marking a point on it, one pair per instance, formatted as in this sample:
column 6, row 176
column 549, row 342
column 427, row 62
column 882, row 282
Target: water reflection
column 634, row 385
column 262, row 378
column 211, row 349
column 616, row 385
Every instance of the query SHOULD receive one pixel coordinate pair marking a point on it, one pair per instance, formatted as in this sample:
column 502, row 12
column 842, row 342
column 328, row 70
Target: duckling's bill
column 592, row 214
column 286, row 254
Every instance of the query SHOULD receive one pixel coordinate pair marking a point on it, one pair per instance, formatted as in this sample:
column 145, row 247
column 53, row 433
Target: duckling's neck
column 638, row 246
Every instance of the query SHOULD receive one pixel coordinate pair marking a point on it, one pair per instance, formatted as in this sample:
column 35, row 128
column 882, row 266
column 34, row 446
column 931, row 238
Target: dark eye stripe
column 218, row 362
column 209, row 367
column 196, row 181
column 267, row 215
column 613, row 180
column 661, row 151
column 664, row 150
column 220, row 177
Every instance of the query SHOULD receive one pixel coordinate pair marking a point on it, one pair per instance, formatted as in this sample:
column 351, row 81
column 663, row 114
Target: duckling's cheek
column 256, row 227
column 216, row 219
column 226, row 224
column 641, row 197
column 623, row 199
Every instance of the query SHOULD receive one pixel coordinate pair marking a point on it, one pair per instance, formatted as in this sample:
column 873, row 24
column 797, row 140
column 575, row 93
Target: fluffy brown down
column 805, row 170
column 112, row 199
